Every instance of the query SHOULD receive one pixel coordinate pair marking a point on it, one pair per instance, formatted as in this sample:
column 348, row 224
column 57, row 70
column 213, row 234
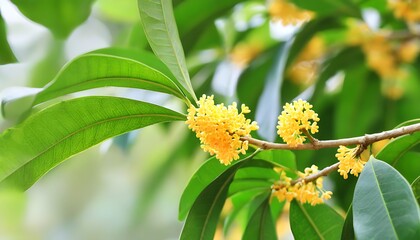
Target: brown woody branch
column 315, row 176
column 365, row 140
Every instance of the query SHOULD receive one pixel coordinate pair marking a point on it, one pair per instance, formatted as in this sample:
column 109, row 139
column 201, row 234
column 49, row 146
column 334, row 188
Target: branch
column 313, row 177
column 364, row 141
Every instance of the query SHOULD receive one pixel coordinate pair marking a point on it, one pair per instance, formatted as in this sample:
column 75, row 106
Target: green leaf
column 397, row 147
column 261, row 225
column 348, row 230
column 416, row 189
column 358, row 90
column 111, row 67
column 207, row 172
column 315, row 222
column 161, row 31
column 54, row 134
column 204, row 214
column 327, row 7
column 60, row 16
column 384, row 206
column 6, row 53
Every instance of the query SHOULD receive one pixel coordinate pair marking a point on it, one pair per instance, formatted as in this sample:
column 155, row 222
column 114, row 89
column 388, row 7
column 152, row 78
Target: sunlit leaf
column 60, row 16
column 162, row 33
column 315, row 222
column 397, row 147
column 384, row 205
column 47, row 138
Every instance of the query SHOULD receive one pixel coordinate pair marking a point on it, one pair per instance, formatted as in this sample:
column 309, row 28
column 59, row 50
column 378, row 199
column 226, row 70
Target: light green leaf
column 261, row 225
column 161, row 31
column 6, row 53
column 384, row 206
column 315, row 222
column 60, row 16
column 397, row 147
column 54, row 134
column 111, row 67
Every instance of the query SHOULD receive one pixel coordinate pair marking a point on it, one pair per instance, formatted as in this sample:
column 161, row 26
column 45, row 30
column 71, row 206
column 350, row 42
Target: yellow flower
column 220, row 128
column 408, row 51
column 408, row 10
column 288, row 12
column 311, row 192
column 349, row 162
column 294, row 119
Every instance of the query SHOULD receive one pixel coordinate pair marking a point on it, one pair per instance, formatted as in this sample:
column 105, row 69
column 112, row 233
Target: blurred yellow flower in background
column 408, row 10
column 288, row 13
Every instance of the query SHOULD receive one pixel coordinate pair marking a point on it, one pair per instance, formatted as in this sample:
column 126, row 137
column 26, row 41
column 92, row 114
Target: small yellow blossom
column 408, row 51
column 294, row 119
column 305, row 68
column 310, row 192
column 408, row 10
column 288, row 13
column 349, row 162
column 220, row 128
column 243, row 53
column 380, row 56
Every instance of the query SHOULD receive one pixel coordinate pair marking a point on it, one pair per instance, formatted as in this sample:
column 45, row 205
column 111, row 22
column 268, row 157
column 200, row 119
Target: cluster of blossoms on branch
column 304, row 192
column 220, row 129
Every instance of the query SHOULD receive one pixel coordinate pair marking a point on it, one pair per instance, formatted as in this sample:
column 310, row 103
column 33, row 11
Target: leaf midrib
column 311, row 222
column 383, row 200
column 83, row 129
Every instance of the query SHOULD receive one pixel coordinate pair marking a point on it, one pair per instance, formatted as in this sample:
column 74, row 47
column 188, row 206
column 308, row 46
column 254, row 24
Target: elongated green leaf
column 161, row 31
column 315, row 222
column 6, row 53
column 50, row 136
column 60, row 16
column 110, row 67
column 384, row 206
column 261, row 225
column 348, row 230
column 204, row 214
column 207, row 172
column 416, row 189
column 397, row 147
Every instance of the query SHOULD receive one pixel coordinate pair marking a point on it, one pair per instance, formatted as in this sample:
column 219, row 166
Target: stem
column 313, row 177
column 365, row 140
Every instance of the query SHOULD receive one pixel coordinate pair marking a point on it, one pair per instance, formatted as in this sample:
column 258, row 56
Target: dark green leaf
column 315, row 222
column 348, row 230
column 161, row 31
column 384, row 206
column 358, row 90
column 60, row 16
column 52, row 135
column 6, row 53
column 202, row 219
column 416, row 189
column 261, row 225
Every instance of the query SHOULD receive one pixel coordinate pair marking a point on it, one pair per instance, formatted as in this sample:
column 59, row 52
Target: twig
column 313, row 177
column 365, row 140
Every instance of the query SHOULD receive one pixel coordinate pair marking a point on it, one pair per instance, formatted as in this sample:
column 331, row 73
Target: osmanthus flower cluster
column 351, row 161
column 287, row 12
column 220, row 128
column 295, row 121
column 408, row 10
column 304, row 192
